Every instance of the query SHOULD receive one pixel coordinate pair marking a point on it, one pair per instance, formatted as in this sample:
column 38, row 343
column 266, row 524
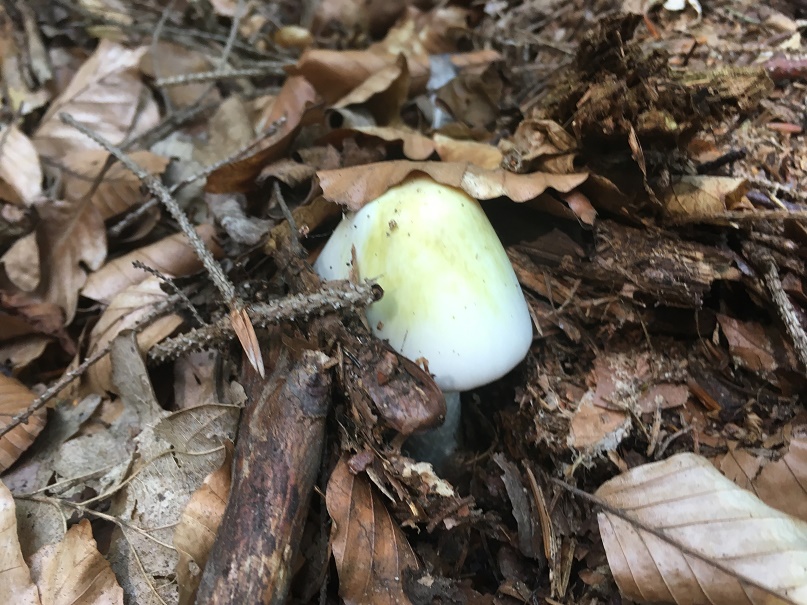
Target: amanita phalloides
column 451, row 297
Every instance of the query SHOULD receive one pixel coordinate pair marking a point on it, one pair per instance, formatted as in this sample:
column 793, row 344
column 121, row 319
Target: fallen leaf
column 198, row 526
column 20, row 170
column 71, row 239
column 128, row 307
column 415, row 145
column 539, row 145
column 479, row 154
column 107, row 96
column 73, row 571
column 15, row 578
column 172, row 255
column 783, row 484
column 747, row 551
column 597, row 429
column 370, row 550
column 15, row 398
column 354, row 187
column 119, row 189
column 694, row 197
column 749, row 345
column 294, row 99
column 165, row 59
column 382, row 94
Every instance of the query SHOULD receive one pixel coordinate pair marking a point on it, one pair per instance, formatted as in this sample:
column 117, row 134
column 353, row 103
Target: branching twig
column 203, row 174
column 335, row 296
column 159, row 190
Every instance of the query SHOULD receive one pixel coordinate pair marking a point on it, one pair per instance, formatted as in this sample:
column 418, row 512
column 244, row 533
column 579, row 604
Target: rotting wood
column 277, row 459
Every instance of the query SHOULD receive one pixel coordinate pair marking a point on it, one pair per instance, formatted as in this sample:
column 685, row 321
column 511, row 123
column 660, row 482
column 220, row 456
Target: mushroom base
column 437, row 445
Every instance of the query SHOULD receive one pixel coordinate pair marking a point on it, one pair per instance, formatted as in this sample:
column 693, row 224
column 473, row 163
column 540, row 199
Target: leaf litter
column 653, row 152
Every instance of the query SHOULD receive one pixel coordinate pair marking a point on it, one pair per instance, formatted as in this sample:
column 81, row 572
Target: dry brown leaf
column 354, row 187
column 15, row 397
column 783, row 484
column 382, row 94
column 749, row 345
column 704, row 196
column 370, row 550
column 16, row 585
column 107, row 96
column 177, row 60
column 245, row 331
column 20, row 353
column 473, row 99
column 229, row 129
column 540, row 145
column 127, row 308
column 747, row 551
column 597, row 429
column 198, row 525
column 371, row 16
column 170, row 256
column 296, row 96
column 17, row 67
column 23, row 313
column 476, row 153
column 20, row 170
column 119, row 189
column 415, row 145
column 71, row 238
column 74, row 572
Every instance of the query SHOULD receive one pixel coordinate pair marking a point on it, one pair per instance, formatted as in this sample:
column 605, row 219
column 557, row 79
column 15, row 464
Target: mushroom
column 451, row 297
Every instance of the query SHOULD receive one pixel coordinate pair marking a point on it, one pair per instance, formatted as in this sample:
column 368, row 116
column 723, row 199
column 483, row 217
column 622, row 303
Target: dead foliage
column 188, row 411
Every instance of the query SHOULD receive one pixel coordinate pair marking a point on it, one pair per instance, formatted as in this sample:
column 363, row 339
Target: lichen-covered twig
column 334, row 296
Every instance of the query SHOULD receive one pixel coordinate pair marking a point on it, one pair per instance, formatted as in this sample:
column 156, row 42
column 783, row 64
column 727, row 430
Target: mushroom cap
column 451, row 296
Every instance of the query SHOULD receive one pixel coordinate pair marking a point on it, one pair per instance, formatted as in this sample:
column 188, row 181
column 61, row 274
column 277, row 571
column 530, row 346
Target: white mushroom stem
column 438, row 444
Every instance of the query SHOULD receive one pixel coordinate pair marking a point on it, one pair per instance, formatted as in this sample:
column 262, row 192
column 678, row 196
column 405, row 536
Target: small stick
column 335, row 296
column 161, row 192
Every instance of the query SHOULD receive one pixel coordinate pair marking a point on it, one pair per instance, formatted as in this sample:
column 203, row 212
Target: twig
column 207, row 171
column 71, row 375
column 785, row 308
column 335, row 296
column 212, row 76
column 170, row 283
column 224, row 286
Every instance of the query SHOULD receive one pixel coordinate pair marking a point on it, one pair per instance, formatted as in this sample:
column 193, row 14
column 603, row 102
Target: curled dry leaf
column 71, row 238
column 370, row 550
column 198, row 525
column 476, row 153
column 726, row 545
column 73, row 571
column 294, row 99
column 165, row 60
column 170, row 256
column 415, row 145
column 15, row 397
column 127, row 308
column 15, row 578
column 382, row 94
column 694, row 197
column 107, row 96
column 119, row 189
column 20, row 170
column 354, row 187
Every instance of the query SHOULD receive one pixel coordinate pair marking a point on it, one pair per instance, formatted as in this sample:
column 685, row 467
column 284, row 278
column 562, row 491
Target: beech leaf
column 370, row 550
column 724, row 546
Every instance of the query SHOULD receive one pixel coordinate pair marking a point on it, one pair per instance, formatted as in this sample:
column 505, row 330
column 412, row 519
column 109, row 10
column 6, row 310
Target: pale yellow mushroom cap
column 450, row 293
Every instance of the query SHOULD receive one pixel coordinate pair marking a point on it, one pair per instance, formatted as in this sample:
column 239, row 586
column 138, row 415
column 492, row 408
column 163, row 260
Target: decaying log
column 277, row 458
